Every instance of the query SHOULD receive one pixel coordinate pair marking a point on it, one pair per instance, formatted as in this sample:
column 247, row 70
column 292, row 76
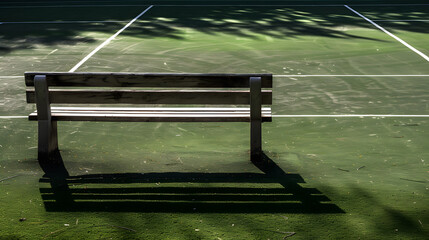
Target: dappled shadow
column 19, row 37
column 390, row 218
column 248, row 22
column 155, row 193
column 28, row 28
column 253, row 22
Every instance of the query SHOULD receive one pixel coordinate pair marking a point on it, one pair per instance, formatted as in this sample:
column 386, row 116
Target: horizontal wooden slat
column 199, row 111
column 151, row 118
column 213, row 80
column 78, row 96
column 154, row 114
column 169, row 109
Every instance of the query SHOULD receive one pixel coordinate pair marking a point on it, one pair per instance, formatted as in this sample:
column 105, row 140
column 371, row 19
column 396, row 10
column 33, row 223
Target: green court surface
column 349, row 134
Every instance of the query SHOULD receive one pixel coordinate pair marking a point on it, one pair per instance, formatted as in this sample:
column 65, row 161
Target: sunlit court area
column 214, row 119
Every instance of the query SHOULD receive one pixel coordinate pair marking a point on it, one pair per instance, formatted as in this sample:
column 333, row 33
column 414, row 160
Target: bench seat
column 115, row 114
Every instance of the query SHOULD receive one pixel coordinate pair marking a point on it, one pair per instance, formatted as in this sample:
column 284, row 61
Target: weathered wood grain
column 48, row 154
column 167, row 80
column 159, row 109
column 108, row 88
column 154, row 115
column 255, row 119
column 99, row 96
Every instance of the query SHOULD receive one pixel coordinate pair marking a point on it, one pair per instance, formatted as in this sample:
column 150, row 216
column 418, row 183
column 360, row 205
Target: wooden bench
column 230, row 91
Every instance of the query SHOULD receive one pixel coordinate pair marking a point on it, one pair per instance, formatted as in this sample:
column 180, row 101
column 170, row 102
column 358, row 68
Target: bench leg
column 256, row 141
column 49, row 156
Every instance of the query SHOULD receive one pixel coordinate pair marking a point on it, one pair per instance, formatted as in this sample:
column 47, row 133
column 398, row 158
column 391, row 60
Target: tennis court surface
column 349, row 134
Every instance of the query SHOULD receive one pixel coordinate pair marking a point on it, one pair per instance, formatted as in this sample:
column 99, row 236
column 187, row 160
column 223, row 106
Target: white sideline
column 350, row 115
column 402, row 20
column 171, row 5
column 391, row 5
column 76, row 6
column 294, row 76
column 308, row 116
column 390, row 34
column 108, row 40
column 214, row 5
column 291, row 5
column 10, row 117
column 120, row 21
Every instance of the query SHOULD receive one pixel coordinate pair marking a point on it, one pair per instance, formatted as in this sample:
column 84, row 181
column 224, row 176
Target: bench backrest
column 126, row 88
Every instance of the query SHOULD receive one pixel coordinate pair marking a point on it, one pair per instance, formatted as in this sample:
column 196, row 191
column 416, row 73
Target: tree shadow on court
column 33, row 36
column 388, row 218
column 277, row 22
column 17, row 32
column 284, row 194
column 248, row 22
column 242, row 21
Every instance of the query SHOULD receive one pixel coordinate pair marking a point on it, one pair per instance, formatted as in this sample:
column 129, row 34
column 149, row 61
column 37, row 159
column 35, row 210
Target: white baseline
column 122, row 21
column 311, row 116
column 402, row 20
column 390, row 34
column 213, row 5
column 108, row 40
column 11, row 117
column 387, row 75
column 297, row 76
column 351, row 116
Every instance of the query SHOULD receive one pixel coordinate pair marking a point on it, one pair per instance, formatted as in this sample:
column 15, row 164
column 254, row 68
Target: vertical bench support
column 48, row 154
column 255, row 120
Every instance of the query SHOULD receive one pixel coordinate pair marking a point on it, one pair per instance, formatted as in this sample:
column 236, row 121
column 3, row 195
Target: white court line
column 403, row 20
column 12, row 117
column 214, row 5
column 351, row 115
column 76, row 6
column 121, row 21
column 285, row 5
column 294, row 76
column 308, row 116
column 108, row 40
column 172, row 5
column 390, row 34
column 251, row 5
column 61, row 22
column 287, row 76
column 392, row 5
column 39, row 2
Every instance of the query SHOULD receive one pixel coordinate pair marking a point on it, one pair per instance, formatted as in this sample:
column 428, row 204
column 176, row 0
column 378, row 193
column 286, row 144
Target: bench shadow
column 76, row 194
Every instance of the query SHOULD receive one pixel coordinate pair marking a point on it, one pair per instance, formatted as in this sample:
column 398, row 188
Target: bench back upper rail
column 164, row 80
column 84, row 96
column 187, row 94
